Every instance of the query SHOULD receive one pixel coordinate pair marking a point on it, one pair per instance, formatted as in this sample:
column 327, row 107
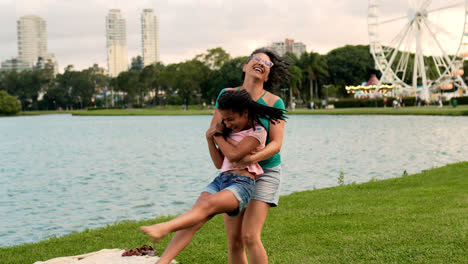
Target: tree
column 28, row 85
column 137, row 63
column 9, row 105
column 214, row 58
column 294, row 82
column 350, row 65
column 186, row 79
column 129, row 82
column 314, row 74
column 150, row 79
column 229, row 75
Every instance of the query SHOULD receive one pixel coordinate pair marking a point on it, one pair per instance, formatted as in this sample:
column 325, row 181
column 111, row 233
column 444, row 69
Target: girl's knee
column 236, row 243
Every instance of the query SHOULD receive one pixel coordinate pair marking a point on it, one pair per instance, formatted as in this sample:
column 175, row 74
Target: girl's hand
column 220, row 127
column 212, row 130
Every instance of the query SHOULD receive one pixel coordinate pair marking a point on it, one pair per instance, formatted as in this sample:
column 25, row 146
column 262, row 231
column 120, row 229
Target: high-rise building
column 117, row 59
column 149, row 37
column 289, row 46
column 32, row 39
column 32, row 46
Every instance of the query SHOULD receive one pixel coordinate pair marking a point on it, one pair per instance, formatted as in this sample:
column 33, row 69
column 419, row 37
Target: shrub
column 460, row 100
column 9, row 105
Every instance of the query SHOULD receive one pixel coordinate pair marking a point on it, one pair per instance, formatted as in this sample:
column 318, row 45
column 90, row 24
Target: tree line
column 192, row 82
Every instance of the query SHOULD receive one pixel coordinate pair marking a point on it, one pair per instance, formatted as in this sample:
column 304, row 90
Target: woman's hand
column 244, row 162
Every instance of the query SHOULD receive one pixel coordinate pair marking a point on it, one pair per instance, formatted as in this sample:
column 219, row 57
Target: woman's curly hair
column 279, row 73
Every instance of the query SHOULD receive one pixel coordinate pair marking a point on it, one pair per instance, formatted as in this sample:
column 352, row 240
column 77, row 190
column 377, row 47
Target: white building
column 149, row 37
column 289, row 46
column 32, row 39
column 117, row 58
column 47, row 62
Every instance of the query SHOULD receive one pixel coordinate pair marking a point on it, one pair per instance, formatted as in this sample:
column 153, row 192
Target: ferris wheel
column 419, row 46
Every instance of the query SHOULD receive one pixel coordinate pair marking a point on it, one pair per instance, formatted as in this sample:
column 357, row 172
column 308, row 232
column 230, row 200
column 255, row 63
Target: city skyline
column 77, row 32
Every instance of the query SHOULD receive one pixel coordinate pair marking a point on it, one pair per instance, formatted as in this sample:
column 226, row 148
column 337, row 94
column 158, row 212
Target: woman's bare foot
column 156, row 232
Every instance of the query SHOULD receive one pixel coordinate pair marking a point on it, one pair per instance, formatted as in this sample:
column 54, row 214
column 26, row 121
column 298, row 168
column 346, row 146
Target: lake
column 63, row 173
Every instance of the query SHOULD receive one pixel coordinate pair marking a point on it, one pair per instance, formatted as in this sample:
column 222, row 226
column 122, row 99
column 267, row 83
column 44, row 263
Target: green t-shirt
column 275, row 160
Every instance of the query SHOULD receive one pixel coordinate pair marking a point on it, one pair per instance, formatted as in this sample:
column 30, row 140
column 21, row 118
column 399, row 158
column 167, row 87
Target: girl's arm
column 216, row 155
column 276, row 140
column 236, row 152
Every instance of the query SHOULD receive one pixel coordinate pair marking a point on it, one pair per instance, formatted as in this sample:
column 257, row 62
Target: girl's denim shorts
column 241, row 186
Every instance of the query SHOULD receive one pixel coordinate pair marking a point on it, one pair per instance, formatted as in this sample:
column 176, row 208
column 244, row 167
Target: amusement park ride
column 420, row 46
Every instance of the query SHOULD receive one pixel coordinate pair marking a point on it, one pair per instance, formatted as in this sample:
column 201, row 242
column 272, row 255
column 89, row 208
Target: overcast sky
column 76, row 28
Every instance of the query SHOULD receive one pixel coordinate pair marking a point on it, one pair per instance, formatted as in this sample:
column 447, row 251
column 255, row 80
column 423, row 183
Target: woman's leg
column 181, row 239
column 254, row 218
column 236, row 247
column 220, row 202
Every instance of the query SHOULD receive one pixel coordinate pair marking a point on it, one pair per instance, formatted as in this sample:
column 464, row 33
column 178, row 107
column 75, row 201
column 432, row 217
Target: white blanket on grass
column 105, row 256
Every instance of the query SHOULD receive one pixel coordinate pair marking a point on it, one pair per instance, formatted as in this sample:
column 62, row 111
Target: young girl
column 239, row 134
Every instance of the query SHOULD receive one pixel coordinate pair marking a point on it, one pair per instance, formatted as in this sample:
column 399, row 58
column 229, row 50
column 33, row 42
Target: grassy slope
column 421, row 218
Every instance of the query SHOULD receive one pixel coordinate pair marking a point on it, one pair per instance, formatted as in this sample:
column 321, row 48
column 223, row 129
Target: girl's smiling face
column 235, row 121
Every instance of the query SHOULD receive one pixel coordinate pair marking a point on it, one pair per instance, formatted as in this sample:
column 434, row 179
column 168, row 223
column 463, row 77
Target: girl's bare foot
column 156, row 232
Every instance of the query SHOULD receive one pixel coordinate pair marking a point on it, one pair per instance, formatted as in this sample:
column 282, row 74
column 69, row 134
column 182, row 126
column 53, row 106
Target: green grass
column 412, row 110
column 461, row 110
column 421, row 218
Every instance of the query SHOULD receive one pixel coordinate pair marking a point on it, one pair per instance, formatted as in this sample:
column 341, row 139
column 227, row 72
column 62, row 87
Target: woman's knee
column 250, row 238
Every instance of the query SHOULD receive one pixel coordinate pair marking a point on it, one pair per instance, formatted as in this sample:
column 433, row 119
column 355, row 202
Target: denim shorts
column 241, row 186
column 267, row 186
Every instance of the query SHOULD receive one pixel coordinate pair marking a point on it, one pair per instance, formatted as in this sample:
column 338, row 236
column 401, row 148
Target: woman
column 263, row 71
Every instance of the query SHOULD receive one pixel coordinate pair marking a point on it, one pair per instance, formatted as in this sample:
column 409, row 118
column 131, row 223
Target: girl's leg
column 236, row 247
column 220, row 202
column 181, row 239
column 254, row 218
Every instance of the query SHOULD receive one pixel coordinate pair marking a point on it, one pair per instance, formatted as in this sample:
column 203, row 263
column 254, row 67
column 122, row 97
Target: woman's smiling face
column 258, row 66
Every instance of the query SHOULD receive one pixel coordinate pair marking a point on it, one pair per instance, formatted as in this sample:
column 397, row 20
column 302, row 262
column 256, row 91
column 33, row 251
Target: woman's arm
column 276, row 141
column 236, row 152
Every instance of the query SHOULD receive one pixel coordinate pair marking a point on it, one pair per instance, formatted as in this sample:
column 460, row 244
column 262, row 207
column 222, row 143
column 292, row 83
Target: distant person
column 293, row 105
column 385, row 102
column 264, row 70
column 439, row 100
column 312, row 105
column 239, row 134
column 324, row 103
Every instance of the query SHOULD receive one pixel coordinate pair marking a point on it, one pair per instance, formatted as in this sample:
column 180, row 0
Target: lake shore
column 420, row 218
column 461, row 110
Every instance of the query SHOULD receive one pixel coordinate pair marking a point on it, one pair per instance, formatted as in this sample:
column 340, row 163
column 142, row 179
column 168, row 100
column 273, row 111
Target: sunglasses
column 267, row 63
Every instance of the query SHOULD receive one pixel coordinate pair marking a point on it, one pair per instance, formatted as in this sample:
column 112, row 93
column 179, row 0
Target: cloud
column 76, row 28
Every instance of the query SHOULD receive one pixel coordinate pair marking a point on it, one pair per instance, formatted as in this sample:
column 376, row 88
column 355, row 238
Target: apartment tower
column 32, row 39
column 149, row 37
column 117, row 58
